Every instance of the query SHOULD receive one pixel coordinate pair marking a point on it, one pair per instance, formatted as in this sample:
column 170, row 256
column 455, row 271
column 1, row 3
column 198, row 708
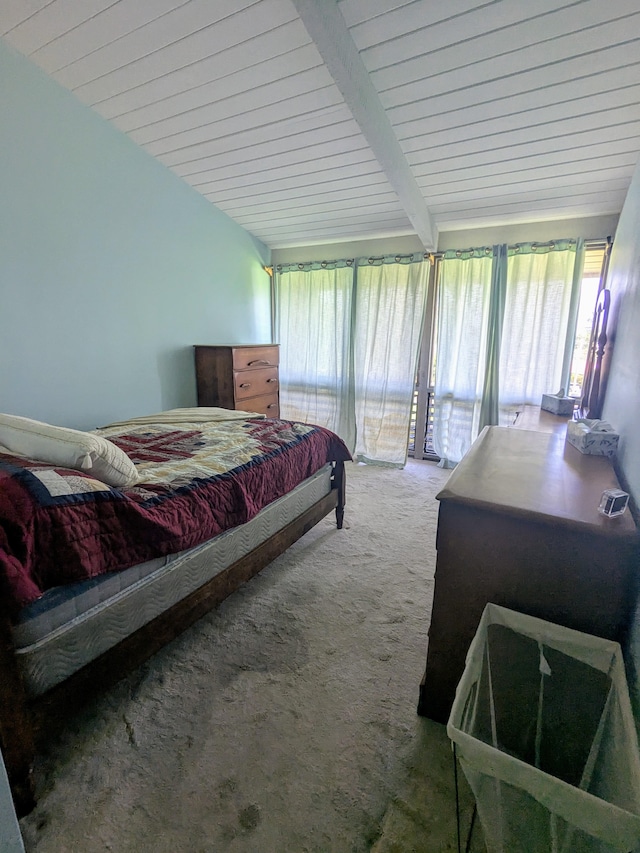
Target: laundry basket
column 543, row 729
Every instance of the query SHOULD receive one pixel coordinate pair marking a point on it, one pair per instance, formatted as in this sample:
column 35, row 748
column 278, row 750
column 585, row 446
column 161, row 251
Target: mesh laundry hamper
column 544, row 732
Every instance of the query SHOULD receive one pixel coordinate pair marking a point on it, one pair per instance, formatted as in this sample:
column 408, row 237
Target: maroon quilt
column 59, row 525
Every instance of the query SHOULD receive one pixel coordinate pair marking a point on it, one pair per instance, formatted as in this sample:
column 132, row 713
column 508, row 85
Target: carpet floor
column 285, row 720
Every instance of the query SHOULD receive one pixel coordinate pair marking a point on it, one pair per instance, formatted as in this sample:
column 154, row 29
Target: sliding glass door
column 531, row 340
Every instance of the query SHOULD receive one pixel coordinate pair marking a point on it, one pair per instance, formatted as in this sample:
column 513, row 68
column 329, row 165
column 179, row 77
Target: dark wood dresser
column 239, row 377
column 519, row 526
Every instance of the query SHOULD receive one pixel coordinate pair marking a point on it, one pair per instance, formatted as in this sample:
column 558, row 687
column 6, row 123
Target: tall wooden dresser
column 239, row 377
column 519, row 526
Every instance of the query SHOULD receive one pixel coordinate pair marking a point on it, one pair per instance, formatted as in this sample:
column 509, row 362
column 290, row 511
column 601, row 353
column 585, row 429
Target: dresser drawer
column 230, row 375
column 253, row 357
column 267, row 404
column 253, row 383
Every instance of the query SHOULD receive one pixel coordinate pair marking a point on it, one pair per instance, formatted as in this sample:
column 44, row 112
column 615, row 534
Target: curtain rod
column 590, row 243
column 397, row 257
column 351, row 261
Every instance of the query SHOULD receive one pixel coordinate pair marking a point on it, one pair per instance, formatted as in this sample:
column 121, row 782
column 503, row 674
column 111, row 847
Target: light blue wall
column 111, row 267
column 622, row 399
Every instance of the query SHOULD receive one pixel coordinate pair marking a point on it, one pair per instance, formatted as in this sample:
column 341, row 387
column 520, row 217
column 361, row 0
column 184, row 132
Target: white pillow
column 68, row 448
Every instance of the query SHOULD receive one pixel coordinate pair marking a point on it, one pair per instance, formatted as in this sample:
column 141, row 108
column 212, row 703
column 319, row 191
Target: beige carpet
column 283, row 721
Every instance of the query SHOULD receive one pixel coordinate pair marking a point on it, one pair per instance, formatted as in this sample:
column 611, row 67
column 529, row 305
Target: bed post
column 16, row 731
column 339, row 483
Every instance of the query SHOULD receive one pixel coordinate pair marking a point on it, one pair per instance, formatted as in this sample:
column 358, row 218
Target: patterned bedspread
column 59, row 525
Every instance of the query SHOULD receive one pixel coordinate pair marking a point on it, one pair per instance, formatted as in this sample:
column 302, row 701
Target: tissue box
column 593, row 437
column 557, row 405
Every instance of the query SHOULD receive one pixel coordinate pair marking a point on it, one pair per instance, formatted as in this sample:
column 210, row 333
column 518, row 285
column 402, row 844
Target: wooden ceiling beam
column 326, row 26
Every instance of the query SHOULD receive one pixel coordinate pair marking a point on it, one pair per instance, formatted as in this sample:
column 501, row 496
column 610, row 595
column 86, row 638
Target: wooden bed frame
column 26, row 722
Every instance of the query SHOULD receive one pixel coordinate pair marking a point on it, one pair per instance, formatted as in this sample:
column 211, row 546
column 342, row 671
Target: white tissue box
column 557, row 405
column 592, row 436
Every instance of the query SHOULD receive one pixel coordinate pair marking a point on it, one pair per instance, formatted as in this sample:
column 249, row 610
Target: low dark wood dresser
column 519, row 525
column 239, row 377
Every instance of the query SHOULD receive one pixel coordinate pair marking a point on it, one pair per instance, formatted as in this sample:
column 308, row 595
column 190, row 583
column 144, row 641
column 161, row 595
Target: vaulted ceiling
column 311, row 121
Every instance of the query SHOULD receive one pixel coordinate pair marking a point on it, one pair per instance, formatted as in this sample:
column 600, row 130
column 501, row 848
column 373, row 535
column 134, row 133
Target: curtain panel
column 391, row 294
column 349, row 336
column 464, row 292
column 539, row 286
column 506, row 318
column 314, row 307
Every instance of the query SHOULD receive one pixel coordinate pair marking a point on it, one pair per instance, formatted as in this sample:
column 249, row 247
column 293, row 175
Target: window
column 543, row 329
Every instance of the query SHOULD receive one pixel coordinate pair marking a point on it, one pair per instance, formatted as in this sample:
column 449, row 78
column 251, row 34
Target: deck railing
column 428, row 451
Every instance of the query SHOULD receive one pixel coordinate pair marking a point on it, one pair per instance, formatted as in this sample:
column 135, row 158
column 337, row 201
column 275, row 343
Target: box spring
column 69, row 627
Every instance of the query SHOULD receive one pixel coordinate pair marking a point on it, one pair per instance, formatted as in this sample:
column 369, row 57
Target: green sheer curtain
column 505, row 321
column 490, row 404
column 348, row 348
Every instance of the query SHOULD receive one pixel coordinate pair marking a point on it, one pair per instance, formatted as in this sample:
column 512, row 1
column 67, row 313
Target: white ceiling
column 397, row 117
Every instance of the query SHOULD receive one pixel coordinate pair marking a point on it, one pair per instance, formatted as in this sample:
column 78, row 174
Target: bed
column 113, row 542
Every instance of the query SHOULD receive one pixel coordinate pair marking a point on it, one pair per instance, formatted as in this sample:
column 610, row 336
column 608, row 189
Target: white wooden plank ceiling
column 397, row 117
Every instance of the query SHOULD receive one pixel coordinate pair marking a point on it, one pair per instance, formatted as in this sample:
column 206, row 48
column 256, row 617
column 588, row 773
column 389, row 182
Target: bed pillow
column 68, row 448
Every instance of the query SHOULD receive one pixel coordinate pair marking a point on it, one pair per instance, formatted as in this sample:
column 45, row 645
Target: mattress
column 71, row 626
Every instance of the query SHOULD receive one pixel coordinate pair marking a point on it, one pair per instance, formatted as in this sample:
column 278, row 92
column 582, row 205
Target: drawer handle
column 258, row 361
column 272, row 405
column 271, row 380
column 245, row 385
